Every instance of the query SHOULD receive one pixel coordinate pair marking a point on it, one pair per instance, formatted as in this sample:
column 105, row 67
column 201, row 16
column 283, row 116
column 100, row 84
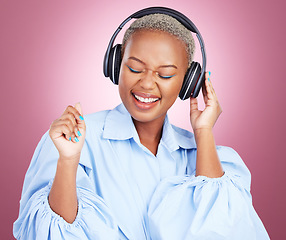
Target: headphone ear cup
column 114, row 63
column 190, row 80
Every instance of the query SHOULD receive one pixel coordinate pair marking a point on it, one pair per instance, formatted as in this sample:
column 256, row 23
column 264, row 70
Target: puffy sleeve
column 38, row 221
column 189, row 207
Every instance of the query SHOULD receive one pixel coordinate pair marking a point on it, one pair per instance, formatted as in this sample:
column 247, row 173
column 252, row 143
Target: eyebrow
column 161, row 66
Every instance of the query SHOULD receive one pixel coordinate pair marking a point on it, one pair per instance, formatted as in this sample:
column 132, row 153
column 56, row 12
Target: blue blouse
column 125, row 192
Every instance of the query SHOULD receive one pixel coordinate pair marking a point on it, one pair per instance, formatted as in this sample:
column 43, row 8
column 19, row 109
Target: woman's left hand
column 205, row 119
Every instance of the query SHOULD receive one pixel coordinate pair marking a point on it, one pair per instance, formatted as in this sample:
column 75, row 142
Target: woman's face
column 151, row 74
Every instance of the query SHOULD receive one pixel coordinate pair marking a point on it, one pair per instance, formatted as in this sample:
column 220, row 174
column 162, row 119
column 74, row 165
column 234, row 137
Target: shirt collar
column 119, row 126
column 174, row 137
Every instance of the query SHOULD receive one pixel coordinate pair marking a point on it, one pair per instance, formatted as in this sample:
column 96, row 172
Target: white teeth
column 146, row 100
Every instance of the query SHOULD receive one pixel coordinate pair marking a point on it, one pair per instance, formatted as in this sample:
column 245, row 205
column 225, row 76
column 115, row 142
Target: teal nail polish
column 209, row 79
column 76, row 139
column 209, row 73
column 79, row 134
column 81, row 118
column 70, row 139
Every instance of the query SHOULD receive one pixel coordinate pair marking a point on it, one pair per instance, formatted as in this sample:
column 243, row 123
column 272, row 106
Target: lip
column 141, row 105
column 144, row 95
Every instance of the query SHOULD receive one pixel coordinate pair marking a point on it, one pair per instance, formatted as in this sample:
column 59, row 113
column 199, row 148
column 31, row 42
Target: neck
column 150, row 133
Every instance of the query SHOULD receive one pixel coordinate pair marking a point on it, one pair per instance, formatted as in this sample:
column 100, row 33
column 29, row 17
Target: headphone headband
column 163, row 10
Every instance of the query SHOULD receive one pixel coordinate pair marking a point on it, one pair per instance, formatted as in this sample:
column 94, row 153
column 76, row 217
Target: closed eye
column 167, row 77
column 132, row 70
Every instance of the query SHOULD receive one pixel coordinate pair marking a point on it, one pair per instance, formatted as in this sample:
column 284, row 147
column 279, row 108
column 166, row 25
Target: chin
column 146, row 117
column 143, row 115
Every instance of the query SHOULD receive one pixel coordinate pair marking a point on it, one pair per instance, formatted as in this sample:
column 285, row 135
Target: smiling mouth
column 145, row 100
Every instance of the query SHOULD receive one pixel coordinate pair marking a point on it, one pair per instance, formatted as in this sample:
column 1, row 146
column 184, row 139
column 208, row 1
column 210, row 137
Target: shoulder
column 234, row 165
column 230, row 157
column 228, row 154
column 96, row 116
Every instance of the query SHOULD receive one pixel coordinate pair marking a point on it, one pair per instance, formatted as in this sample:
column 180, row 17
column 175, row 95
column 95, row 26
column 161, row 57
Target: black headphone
column 193, row 79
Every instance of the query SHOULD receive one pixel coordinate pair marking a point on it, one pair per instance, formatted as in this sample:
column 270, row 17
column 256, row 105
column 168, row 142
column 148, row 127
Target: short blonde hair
column 165, row 23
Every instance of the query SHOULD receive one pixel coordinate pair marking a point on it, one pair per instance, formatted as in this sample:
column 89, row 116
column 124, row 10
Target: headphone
column 193, row 79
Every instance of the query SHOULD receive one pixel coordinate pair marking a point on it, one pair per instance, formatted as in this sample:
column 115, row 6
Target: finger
column 214, row 97
column 69, row 121
column 74, row 138
column 75, row 112
column 70, row 117
column 78, row 108
column 81, row 123
column 61, row 131
column 212, row 90
column 204, row 90
column 63, row 127
column 75, row 125
column 210, row 94
column 209, row 83
column 208, row 74
column 193, row 104
column 69, row 135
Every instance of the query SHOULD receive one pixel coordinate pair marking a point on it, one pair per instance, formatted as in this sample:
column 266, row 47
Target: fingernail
column 70, row 139
column 209, row 73
column 78, row 133
column 81, row 118
column 209, row 79
column 76, row 139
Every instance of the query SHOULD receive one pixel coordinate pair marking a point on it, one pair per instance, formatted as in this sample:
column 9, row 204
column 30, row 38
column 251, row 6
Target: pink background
column 52, row 53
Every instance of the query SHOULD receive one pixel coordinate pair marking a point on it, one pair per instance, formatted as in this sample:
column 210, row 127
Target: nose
column 148, row 80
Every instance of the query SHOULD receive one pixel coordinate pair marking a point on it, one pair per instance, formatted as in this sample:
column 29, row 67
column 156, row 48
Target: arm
column 212, row 204
column 206, row 208
column 208, row 163
column 58, row 200
column 69, row 143
column 63, row 196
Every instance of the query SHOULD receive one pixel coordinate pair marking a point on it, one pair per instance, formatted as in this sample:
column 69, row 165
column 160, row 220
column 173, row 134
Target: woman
column 128, row 173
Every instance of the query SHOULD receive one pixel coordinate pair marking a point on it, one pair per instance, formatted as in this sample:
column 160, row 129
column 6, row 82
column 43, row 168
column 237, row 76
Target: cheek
column 121, row 88
column 172, row 88
column 124, row 85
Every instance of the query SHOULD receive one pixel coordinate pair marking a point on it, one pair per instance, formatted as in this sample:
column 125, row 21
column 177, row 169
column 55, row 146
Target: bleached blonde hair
column 165, row 23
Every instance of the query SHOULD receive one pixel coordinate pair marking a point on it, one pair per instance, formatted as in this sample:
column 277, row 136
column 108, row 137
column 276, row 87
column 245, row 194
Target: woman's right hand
column 64, row 133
